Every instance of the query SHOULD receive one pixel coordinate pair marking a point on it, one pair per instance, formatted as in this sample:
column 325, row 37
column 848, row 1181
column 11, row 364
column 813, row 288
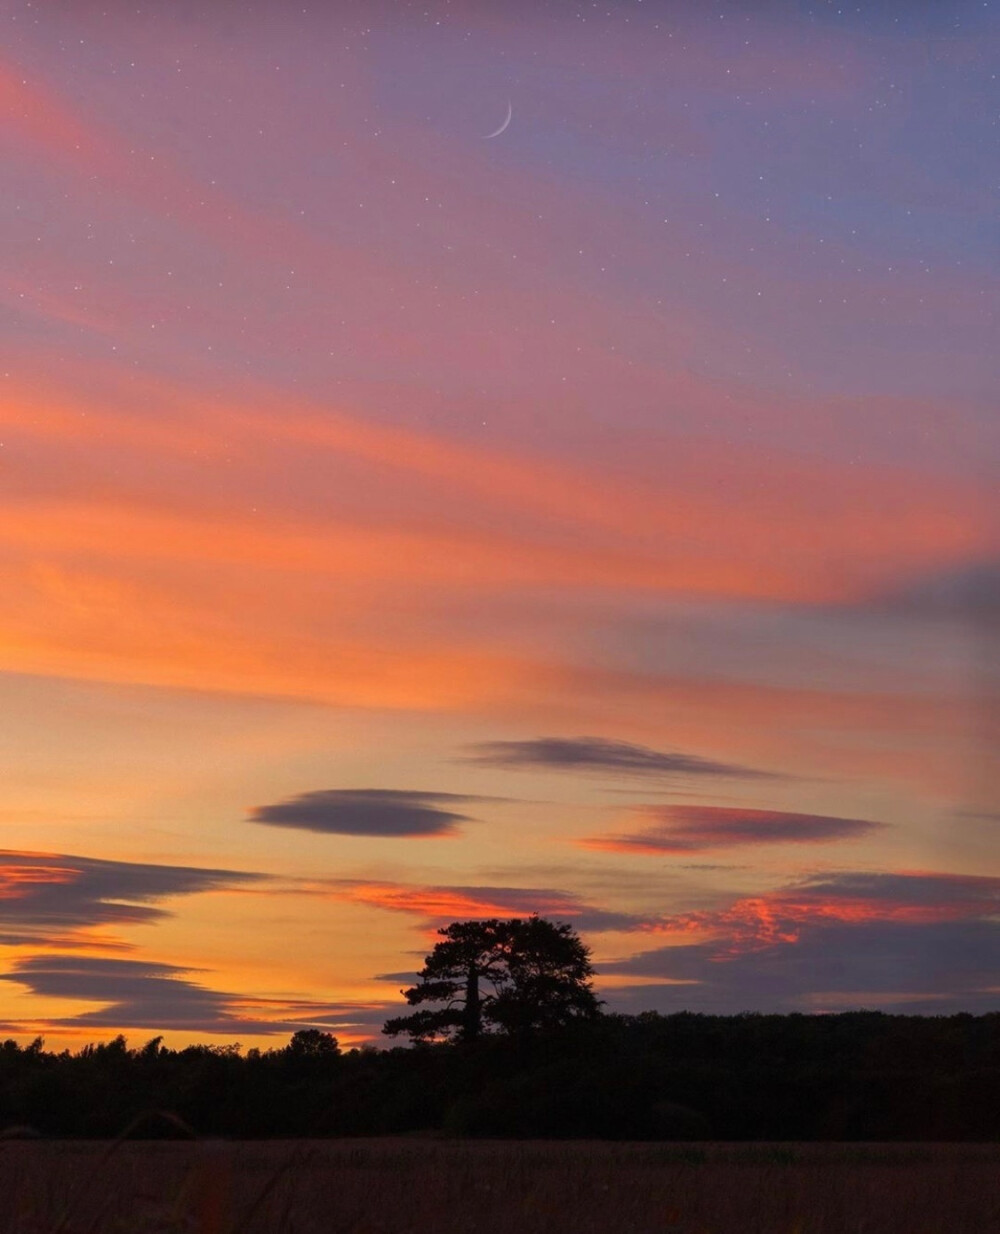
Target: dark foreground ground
column 449, row 1187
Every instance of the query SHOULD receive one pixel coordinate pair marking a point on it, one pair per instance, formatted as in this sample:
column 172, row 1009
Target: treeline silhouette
column 855, row 1076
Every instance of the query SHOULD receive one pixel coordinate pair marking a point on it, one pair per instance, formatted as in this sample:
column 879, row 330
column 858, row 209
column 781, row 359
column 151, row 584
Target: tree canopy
column 518, row 977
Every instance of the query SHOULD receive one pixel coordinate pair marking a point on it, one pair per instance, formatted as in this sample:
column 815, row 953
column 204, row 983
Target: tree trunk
column 471, row 1020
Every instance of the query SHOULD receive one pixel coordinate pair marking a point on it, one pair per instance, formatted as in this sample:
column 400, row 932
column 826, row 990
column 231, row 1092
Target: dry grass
column 445, row 1187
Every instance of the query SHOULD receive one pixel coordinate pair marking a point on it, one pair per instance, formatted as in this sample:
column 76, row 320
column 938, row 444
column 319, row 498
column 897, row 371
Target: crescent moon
column 507, row 120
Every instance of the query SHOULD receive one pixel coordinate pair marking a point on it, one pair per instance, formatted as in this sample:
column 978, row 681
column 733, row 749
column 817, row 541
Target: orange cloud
column 451, row 903
column 910, row 897
column 145, row 541
column 19, row 881
column 820, row 533
column 90, row 627
column 439, row 905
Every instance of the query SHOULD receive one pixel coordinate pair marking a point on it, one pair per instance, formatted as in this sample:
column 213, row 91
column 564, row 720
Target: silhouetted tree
column 311, row 1043
column 548, row 979
column 468, row 952
column 536, row 976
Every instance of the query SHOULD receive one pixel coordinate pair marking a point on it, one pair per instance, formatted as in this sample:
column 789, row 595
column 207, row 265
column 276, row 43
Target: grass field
column 447, row 1187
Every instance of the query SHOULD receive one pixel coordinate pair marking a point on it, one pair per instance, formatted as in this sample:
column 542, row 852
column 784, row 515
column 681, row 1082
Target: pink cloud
column 693, row 829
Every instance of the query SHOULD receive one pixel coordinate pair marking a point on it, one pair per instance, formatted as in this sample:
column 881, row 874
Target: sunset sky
column 401, row 524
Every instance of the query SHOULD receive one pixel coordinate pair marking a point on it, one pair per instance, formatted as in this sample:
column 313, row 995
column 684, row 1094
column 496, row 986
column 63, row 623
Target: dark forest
column 854, row 1076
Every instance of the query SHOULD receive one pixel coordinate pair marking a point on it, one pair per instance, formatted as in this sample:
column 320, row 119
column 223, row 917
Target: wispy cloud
column 599, row 754
column 151, row 995
column 437, row 905
column 851, row 897
column 969, row 590
column 919, row 941
column 48, row 897
column 461, row 519
column 695, row 829
column 367, row 812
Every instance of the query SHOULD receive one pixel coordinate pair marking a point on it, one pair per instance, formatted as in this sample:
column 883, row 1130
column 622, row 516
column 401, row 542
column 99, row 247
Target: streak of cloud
column 696, row 829
column 922, row 941
column 600, row 755
column 45, row 895
column 368, row 812
column 438, row 905
column 152, row 995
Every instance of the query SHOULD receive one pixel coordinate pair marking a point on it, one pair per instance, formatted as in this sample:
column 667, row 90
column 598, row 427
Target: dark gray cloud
column 978, row 816
column 154, row 996
column 951, row 895
column 45, row 896
column 970, row 591
column 921, row 942
column 695, row 829
column 367, row 812
column 920, row 967
column 710, row 865
column 599, row 754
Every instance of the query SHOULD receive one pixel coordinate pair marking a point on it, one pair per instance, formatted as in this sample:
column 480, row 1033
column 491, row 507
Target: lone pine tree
column 517, row 977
